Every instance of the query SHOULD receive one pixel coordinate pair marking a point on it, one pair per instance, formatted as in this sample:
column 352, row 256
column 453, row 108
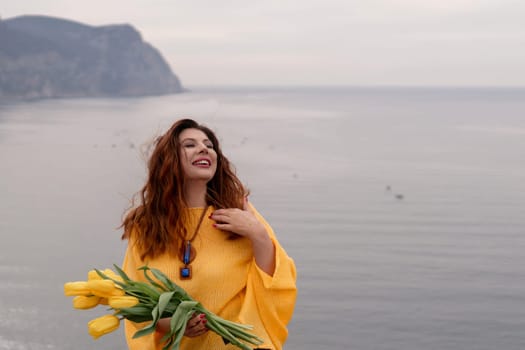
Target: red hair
column 157, row 223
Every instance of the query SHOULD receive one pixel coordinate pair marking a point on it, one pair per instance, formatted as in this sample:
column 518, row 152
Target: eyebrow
column 192, row 139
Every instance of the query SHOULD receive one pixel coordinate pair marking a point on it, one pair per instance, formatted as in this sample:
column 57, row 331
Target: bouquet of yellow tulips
column 141, row 302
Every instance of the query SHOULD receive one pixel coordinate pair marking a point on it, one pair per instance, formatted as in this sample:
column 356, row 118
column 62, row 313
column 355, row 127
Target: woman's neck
column 195, row 195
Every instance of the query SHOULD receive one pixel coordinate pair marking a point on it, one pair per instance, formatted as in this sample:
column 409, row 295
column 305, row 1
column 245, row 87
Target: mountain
column 42, row 57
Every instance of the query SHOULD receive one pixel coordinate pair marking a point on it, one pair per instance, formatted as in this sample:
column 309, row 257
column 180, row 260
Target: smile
column 202, row 162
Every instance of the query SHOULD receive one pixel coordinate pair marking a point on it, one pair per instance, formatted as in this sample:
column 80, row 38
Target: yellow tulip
column 93, row 275
column 103, row 325
column 122, row 302
column 103, row 301
column 85, row 302
column 113, row 275
column 104, row 288
column 76, row 288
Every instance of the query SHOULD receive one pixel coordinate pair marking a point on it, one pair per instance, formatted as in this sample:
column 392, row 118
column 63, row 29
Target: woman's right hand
column 195, row 327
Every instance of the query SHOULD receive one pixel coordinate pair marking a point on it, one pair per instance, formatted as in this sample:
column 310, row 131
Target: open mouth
column 202, row 162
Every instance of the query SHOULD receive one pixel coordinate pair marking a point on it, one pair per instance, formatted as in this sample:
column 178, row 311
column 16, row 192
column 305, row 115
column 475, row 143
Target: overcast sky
column 320, row 42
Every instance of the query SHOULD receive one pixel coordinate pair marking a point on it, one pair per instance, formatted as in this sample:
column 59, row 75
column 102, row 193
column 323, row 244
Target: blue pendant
column 187, row 253
column 185, row 272
column 187, row 256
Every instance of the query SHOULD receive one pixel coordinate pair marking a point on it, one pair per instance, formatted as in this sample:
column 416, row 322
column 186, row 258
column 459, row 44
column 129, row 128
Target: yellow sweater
column 227, row 281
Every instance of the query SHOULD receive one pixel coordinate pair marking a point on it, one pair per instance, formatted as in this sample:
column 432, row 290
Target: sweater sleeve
column 270, row 300
column 130, row 265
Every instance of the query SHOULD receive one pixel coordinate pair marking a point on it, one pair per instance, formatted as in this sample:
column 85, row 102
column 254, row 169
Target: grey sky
column 292, row 42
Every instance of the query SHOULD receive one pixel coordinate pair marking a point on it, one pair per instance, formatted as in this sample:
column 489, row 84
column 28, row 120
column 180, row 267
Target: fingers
column 196, row 326
column 228, row 212
column 224, row 212
column 227, row 216
column 224, row 227
column 238, row 221
column 195, row 320
column 220, row 217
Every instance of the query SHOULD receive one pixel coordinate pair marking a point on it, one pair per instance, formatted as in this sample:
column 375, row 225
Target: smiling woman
column 198, row 158
column 195, row 224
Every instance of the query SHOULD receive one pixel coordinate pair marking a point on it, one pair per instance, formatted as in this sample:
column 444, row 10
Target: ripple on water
column 11, row 344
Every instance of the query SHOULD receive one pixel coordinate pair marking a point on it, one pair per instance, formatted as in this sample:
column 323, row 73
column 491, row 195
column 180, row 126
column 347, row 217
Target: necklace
column 188, row 252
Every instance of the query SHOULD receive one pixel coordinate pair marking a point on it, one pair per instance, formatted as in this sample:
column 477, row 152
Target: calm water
column 440, row 268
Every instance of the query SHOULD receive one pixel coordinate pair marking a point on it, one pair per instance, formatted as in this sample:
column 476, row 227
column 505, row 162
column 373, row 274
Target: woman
column 194, row 223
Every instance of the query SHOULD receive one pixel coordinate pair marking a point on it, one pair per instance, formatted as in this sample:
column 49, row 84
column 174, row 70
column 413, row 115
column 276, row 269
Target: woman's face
column 197, row 156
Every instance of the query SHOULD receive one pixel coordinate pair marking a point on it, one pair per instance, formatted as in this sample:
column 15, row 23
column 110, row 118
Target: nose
column 203, row 148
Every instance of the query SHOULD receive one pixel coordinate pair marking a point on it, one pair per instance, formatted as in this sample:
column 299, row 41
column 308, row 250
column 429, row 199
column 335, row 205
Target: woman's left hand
column 239, row 221
column 244, row 223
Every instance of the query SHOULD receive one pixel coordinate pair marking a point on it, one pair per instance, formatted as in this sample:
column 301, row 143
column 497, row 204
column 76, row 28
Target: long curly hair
column 157, row 223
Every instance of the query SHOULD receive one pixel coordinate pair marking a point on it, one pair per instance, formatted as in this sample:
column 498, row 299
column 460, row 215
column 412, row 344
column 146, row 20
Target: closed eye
column 190, row 143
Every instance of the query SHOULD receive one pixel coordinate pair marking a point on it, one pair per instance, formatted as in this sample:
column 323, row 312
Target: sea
column 402, row 207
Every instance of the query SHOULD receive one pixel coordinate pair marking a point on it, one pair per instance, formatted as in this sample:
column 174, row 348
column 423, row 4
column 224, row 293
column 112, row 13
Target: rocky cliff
column 44, row 57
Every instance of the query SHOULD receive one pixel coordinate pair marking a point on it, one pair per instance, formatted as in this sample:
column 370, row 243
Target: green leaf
column 164, row 279
column 160, row 297
column 143, row 287
column 151, row 280
column 155, row 313
column 101, row 274
column 180, row 317
column 223, row 332
column 138, row 319
column 137, row 310
column 178, row 323
column 180, row 333
column 151, row 327
column 164, row 300
column 106, row 277
column 122, row 273
column 144, row 331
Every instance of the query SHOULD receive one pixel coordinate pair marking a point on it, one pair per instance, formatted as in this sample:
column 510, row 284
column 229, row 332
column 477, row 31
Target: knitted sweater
column 227, row 281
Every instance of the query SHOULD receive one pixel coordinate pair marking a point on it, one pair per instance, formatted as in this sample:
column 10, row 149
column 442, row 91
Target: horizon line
column 348, row 86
